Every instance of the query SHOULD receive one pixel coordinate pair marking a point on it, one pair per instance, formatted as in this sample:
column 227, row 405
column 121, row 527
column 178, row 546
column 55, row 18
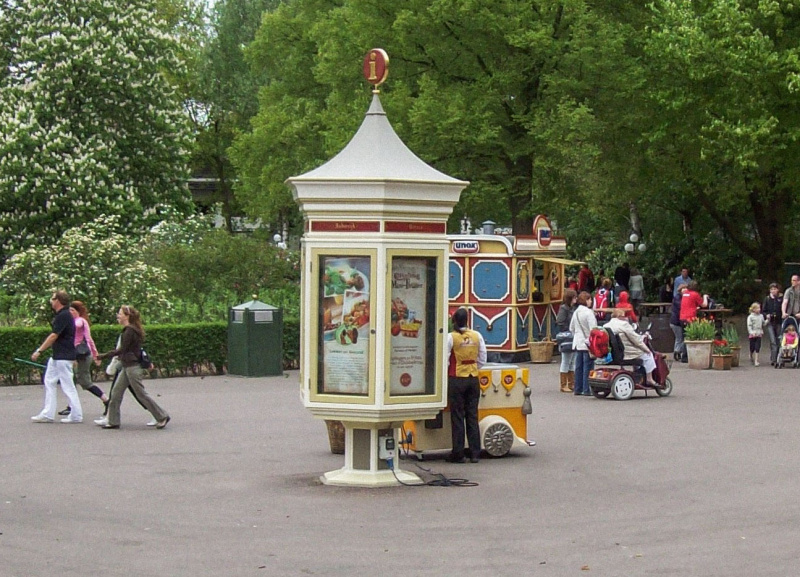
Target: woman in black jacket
column 130, row 355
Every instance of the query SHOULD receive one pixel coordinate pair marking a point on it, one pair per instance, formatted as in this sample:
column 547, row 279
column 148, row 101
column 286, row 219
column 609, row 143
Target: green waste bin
column 255, row 340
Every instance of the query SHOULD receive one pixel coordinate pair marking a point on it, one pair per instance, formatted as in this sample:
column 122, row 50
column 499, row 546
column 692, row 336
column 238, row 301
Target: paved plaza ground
column 705, row 482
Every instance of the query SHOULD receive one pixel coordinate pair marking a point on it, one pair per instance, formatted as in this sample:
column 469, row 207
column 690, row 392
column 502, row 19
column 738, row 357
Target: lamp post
column 278, row 240
column 631, row 247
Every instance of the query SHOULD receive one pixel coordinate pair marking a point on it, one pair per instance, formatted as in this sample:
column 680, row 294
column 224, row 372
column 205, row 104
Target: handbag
column 114, row 366
column 82, row 349
column 564, row 341
column 144, row 360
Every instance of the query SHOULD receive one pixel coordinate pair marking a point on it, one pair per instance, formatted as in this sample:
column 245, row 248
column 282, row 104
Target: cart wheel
column 600, row 393
column 666, row 390
column 622, row 387
column 498, row 438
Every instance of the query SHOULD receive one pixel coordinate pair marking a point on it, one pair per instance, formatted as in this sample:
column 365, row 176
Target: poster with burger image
column 344, row 346
column 408, row 329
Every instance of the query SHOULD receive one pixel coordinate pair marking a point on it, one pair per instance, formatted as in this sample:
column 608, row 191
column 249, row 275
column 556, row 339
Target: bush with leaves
column 94, row 264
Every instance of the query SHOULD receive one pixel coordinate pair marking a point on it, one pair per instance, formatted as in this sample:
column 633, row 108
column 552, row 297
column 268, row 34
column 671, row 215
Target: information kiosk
column 374, row 312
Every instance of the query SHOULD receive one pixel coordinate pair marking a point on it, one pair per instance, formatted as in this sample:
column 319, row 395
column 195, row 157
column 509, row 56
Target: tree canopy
column 91, row 125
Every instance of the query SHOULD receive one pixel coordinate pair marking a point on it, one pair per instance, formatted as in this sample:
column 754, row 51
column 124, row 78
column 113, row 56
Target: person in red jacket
column 624, row 304
column 585, row 279
column 690, row 302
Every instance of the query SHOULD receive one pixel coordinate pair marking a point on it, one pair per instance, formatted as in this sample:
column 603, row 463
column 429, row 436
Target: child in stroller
column 789, row 343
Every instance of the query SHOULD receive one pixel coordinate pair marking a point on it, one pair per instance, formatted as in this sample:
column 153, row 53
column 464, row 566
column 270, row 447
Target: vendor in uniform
column 466, row 351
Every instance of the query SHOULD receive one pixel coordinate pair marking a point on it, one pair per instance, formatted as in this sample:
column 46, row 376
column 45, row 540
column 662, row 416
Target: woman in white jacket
column 583, row 321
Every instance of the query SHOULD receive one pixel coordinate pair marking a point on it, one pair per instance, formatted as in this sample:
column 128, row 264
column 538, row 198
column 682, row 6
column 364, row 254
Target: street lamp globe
column 642, row 247
column 634, row 238
column 629, row 247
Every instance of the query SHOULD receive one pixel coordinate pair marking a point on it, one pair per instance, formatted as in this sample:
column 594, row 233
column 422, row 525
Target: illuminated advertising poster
column 412, row 326
column 553, row 281
column 345, row 325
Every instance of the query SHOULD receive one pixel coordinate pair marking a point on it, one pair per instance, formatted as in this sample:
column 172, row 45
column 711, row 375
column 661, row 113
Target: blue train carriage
column 513, row 286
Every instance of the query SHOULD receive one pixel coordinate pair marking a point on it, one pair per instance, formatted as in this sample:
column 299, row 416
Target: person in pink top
column 86, row 352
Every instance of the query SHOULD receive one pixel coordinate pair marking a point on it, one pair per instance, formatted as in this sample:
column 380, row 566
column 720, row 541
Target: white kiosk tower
column 374, row 291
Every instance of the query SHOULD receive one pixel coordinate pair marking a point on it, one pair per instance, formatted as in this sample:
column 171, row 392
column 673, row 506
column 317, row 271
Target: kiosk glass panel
column 343, row 325
column 413, row 326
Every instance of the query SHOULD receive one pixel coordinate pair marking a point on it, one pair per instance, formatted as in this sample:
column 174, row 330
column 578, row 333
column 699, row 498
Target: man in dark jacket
column 622, row 277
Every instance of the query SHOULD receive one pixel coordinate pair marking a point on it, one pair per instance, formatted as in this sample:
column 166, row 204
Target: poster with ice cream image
column 409, row 326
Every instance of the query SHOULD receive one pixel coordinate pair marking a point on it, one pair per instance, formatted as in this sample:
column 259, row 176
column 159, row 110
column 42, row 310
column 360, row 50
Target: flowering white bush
column 89, row 122
column 94, row 264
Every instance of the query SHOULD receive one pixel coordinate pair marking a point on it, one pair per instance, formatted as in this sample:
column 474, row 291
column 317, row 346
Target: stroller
column 788, row 354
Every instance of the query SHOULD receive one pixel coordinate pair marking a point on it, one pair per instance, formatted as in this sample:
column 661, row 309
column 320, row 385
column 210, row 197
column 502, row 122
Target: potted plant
column 699, row 336
column 730, row 334
column 721, row 356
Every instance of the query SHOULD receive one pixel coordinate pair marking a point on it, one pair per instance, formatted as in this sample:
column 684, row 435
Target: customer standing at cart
column 583, row 321
column 466, row 351
column 563, row 319
column 772, row 309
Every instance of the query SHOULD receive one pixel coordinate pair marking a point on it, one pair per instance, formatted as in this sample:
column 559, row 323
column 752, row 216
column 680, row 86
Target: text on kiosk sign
column 466, row 246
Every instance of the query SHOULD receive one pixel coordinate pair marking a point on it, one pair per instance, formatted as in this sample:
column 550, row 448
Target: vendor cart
column 502, row 415
column 513, row 286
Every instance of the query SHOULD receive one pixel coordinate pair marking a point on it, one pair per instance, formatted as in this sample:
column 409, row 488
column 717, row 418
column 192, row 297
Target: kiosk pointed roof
column 376, row 153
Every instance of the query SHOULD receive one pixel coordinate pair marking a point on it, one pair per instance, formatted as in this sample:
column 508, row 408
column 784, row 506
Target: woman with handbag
column 85, row 353
column 564, row 340
column 130, row 375
column 582, row 323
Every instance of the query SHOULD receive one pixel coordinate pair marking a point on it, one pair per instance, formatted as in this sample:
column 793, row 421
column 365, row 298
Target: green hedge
column 176, row 350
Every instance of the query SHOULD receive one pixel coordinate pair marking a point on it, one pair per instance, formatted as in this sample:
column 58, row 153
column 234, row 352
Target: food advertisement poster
column 345, row 325
column 411, row 318
column 553, row 281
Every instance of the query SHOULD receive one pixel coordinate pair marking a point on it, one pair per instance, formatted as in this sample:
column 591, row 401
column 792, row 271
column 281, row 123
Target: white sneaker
column 101, row 422
column 41, row 419
column 152, row 423
column 68, row 420
column 757, row 363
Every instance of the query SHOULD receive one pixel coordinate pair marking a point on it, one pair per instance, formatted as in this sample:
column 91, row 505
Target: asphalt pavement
column 704, row 482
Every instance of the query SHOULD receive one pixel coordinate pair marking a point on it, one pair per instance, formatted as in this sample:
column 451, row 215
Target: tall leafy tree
column 724, row 131
column 502, row 93
column 225, row 91
column 91, row 123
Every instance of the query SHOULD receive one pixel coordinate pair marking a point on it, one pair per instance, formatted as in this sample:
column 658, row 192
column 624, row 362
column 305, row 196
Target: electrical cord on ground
column 440, row 481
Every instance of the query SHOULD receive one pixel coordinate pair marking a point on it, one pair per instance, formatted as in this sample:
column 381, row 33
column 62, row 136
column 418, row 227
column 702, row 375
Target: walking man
column 59, row 367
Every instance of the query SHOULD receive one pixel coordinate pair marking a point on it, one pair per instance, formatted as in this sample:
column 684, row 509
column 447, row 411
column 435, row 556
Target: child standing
column 755, row 330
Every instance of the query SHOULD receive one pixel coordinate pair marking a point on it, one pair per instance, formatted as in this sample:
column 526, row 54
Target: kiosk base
column 363, row 466
column 358, row 478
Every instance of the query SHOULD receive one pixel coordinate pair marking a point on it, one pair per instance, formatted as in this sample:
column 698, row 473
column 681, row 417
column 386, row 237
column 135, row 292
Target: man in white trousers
column 59, row 367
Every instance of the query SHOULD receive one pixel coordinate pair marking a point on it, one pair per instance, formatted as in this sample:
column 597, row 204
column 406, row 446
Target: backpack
column 598, row 342
column 600, row 302
column 616, row 346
